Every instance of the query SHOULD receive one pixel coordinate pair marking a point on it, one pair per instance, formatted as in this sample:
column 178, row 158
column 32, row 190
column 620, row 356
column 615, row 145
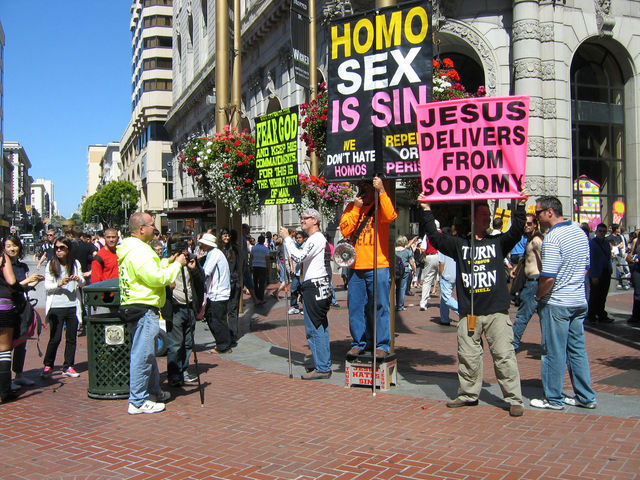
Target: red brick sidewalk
column 261, row 425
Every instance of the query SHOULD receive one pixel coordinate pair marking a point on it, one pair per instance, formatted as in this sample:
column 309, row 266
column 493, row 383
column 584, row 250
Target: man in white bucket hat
column 218, row 289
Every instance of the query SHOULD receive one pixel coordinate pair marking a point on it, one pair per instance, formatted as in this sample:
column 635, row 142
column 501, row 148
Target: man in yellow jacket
column 143, row 278
column 358, row 219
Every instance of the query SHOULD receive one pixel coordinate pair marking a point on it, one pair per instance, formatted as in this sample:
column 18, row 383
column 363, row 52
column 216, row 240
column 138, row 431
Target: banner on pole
column 474, row 148
column 379, row 70
column 277, row 157
column 299, row 18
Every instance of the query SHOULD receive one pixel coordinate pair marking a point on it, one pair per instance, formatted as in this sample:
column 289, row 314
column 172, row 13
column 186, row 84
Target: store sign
column 277, row 157
column 474, row 148
column 380, row 70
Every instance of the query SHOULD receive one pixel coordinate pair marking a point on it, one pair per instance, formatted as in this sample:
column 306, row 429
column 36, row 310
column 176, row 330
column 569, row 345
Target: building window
column 157, row 21
column 156, row 84
column 598, row 134
column 152, row 3
column 156, row 64
column 157, row 42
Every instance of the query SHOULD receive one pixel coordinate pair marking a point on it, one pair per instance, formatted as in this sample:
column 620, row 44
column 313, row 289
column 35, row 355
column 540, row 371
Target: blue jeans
column 295, row 286
column 447, row 302
column 563, row 344
column 401, row 289
column 180, row 342
column 143, row 368
column 318, row 340
column 361, row 312
column 527, row 308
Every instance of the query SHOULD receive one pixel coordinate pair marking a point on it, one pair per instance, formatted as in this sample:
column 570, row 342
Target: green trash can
column 108, row 349
column 108, row 343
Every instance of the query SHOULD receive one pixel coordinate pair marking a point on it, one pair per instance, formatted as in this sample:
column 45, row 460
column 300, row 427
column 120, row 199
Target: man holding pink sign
column 476, row 149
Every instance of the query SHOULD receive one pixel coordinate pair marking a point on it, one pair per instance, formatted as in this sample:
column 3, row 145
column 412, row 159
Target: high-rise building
column 19, row 198
column 145, row 148
column 94, row 171
column 110, row 165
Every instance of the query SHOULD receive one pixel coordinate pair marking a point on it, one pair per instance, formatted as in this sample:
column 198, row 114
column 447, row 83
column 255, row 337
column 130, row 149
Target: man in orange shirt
column 357, row 220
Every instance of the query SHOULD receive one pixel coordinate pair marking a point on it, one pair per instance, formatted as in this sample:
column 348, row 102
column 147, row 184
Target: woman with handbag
column 62, row 282
column 8, row 322
column 632, row 260
column 14, row 250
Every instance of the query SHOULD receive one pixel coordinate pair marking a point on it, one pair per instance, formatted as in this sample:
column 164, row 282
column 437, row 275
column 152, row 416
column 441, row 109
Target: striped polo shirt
column 565, row 257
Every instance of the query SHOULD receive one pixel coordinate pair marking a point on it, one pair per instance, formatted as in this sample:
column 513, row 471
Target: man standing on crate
column 143, row 278
column 357, row 223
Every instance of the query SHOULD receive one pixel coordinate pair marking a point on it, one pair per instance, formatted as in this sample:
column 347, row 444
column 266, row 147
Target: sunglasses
column 538, row 212
column 60, row 247
column 530, row 223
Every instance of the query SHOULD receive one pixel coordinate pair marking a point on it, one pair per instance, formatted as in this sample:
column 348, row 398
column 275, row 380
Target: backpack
column 29, row 323
column 399, row 268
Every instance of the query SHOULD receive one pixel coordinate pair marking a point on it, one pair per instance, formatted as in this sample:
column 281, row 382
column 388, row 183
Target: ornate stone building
column 578, row 60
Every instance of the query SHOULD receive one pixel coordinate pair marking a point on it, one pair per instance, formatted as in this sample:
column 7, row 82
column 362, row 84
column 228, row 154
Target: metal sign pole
column 287, row 288
column 471, row 318
column 375, row 291
column 193, row 330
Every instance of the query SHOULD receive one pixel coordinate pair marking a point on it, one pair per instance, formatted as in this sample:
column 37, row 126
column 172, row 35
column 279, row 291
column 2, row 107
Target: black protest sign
column 277, row 157
column 380, row 68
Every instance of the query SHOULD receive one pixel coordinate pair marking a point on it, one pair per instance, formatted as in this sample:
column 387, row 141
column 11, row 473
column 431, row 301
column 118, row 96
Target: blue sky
column 67, row 74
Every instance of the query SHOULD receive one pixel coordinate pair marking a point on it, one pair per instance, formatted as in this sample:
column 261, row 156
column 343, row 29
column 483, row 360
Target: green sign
column 277, row 157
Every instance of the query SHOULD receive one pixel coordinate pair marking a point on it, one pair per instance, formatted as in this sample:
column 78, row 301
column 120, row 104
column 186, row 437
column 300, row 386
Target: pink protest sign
column 473, row 148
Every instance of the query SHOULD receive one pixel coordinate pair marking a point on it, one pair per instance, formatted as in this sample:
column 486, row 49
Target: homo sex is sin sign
column 380, row 69
column 473, row 148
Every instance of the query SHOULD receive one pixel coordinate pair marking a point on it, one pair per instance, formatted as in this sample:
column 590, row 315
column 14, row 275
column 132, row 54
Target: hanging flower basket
column 446, row 82
column 325, row 197
column 224, row 167
column 314, row 122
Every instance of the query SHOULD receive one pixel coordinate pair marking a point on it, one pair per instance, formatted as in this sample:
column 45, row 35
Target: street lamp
column 124, row 199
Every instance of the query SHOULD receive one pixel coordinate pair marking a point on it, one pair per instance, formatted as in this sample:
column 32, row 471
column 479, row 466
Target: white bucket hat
column 209, row 240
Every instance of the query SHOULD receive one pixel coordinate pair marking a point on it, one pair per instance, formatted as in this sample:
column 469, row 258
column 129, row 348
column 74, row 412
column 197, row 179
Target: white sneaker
column 24, row 381
column 574, row 402
column 543, row 403
column 147, row 407
column 160, row 397
column 293, row 311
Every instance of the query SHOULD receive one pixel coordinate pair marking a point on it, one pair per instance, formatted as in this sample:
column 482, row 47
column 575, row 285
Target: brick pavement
column 262, row 425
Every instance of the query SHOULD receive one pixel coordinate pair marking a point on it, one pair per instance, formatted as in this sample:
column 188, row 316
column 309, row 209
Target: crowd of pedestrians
column 552, row 267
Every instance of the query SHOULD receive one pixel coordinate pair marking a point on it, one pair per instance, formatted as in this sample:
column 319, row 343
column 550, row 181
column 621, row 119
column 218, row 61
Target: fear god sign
column 474, row 148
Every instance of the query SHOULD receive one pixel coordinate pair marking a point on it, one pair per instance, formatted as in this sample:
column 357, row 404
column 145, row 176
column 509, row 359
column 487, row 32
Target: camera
column 181, row 246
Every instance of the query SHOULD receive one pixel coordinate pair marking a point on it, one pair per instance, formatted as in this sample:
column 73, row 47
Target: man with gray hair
column 316, row 291
column 563, row 308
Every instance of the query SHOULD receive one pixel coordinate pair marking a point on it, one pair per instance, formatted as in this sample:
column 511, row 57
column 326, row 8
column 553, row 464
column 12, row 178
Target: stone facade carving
column 527, row 68
column 335, row 9
column 549, row 108
column 549, row 70
column 536, row 107
column 604, row 20
column 526, row 30
column 539, row 185
column 542, row 147
column 481, row 47
column 535, row 146
column 546, row 32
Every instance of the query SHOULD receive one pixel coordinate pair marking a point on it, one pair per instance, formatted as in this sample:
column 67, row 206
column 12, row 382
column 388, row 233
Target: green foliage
column 106, row 203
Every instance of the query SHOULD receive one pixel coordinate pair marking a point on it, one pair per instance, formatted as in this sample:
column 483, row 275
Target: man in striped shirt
column 563, row 309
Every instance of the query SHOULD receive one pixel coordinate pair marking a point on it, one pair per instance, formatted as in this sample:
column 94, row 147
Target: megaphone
column 344, row 254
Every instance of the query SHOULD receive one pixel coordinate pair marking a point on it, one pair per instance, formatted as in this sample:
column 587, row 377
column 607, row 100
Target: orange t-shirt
column 350, row 221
